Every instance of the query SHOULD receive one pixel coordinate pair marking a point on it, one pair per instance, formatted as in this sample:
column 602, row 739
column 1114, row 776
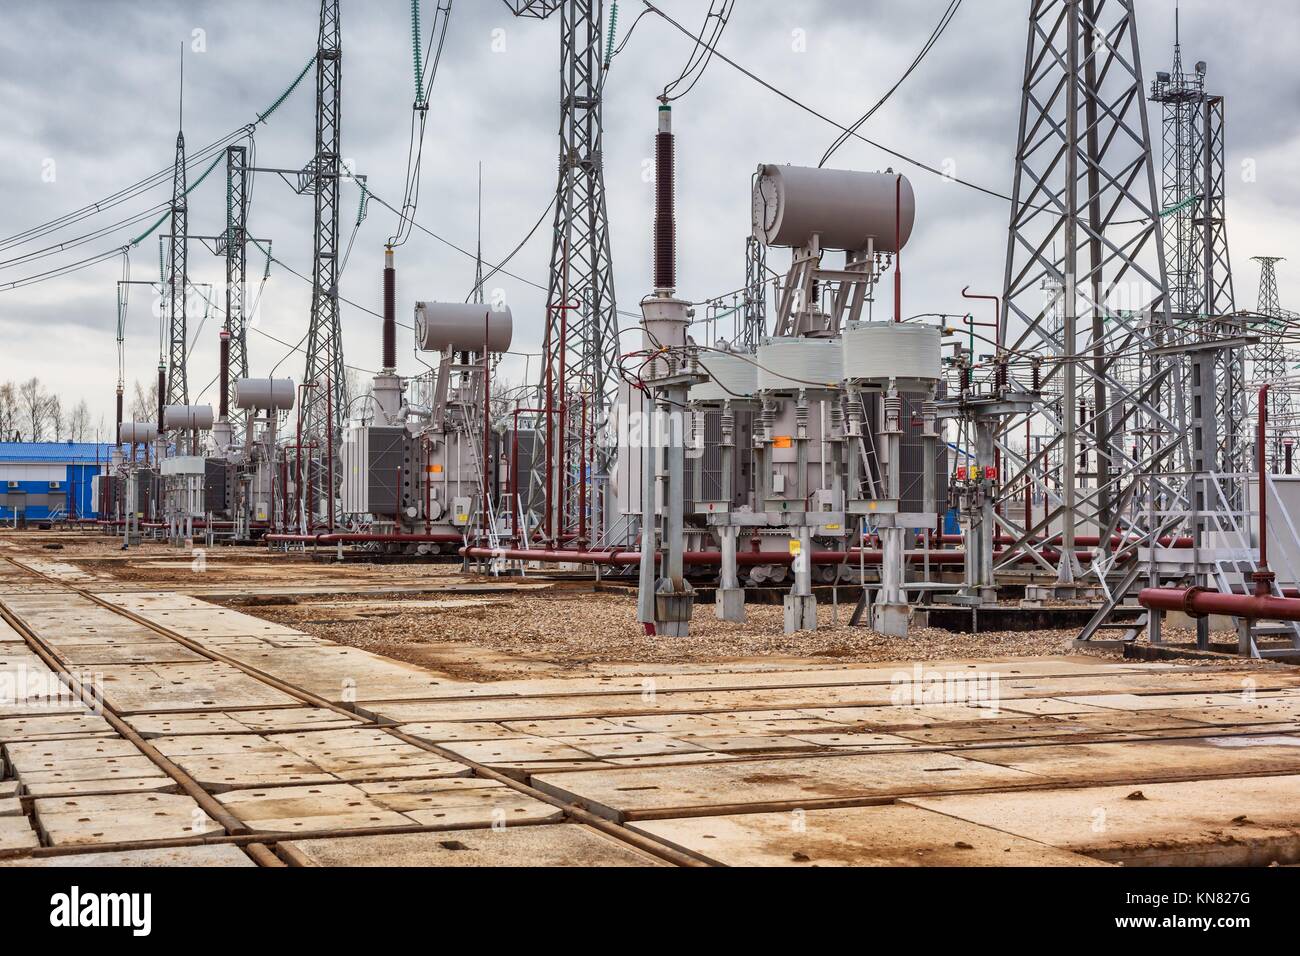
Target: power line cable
column 944, row 20
column 822, row 116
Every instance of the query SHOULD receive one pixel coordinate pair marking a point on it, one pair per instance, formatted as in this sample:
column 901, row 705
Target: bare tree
column 8, row 410
column 359, row 390
column 79, row 422
column 54, row 416
column 144, row 406
column 34, row 405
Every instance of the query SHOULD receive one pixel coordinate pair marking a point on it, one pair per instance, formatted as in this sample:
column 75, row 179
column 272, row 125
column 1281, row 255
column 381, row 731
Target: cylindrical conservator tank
column 881, row 351
column 188, row 417
column 136, row 433
column 733, row 376
column 462, row 326
column 791, row 365
column 850, row 210
column 264, row 393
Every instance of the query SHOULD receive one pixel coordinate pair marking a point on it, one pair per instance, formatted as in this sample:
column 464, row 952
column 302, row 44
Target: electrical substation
column 638, row 608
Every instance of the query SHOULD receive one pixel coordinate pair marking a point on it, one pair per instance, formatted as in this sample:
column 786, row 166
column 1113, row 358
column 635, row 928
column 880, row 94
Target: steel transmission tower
column 1084, row 220
column 580, row 347
column 234, row 246
column 178, row 391
column 1270, row 360
column 1196, row 243
column 1270, row 300
column 1181, row 94
column 324, row 395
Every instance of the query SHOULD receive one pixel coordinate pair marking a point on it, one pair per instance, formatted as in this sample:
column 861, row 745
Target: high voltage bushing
column 893, row 413
column 665, row 237
column 390, row 311
column 223, row 410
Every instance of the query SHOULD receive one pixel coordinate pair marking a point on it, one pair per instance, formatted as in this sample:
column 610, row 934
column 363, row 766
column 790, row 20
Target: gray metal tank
column 264, row 393
column 136, row 433
column 850, row 210
column 188, row 417
column 462, row 327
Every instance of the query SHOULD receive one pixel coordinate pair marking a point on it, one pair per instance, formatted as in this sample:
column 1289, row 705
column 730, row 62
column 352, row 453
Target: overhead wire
column 194, row 159
column 794, row 101
column 715, row 21
column 425, row 73
column 944, row 20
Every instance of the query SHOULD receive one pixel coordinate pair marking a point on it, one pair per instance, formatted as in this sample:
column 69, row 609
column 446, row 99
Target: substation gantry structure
column 324, row 392
column 566, row 491
column 1272, row 364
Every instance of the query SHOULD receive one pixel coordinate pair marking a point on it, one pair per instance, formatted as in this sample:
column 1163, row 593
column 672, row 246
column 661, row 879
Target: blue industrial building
column 50, row 480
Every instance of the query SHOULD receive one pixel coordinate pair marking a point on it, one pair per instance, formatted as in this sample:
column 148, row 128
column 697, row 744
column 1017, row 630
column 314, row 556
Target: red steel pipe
column 1199, row 602
column 996, row 324
column 898, row 249
column 714, row 558
column 487, row 422
column 364, row 538
column 1263, row 578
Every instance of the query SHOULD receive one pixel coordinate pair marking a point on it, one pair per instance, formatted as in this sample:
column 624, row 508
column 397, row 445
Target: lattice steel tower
column 1269, row 359
column 1181, row 94
column 581, row 345
column 234, row 246
column 1084, row 220
column 325, row 396
column 1199, row 268
column 178, row 390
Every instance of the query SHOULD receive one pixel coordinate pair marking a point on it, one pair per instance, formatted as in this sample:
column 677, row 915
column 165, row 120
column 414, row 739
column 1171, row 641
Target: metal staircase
column 489, row 520
column 1226, row 560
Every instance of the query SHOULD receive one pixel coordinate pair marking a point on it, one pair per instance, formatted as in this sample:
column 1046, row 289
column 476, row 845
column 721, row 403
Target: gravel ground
column 572, row 631
column 563, row 630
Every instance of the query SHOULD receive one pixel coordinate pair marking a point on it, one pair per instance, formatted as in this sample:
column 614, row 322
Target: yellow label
column 795, row 547
column 832, row 527
column 435, row 469
column 783, row 441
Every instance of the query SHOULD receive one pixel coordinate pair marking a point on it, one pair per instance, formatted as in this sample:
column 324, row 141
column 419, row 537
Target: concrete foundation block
column 730, row 604
column 800, row 613
column 891, row 619
column 673, row 610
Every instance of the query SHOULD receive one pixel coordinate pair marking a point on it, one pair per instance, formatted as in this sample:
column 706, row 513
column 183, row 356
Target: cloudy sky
column 88, row 105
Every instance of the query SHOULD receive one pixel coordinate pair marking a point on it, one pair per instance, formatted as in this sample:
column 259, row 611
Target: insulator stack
column 665, row 239
column 119, row 411
column 893, row 413
column 1001, row 377
column 965, row 378
column 223, row 402
column 390, row 312
column 1038, row 377
column 162, row 394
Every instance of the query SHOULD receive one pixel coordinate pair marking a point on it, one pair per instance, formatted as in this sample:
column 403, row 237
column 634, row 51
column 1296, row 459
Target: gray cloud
column 91, row 84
